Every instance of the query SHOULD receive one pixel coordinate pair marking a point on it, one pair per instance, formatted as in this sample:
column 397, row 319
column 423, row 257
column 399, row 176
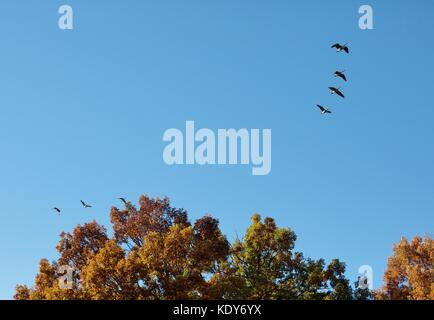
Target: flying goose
column 85, row 205
column 341, row 74
column 334, row 90
column 323, row 110
column 340, row 48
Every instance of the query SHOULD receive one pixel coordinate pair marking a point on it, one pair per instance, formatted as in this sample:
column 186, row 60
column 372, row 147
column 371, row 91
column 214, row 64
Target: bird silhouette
column 340, row 48
column 341, row 74
column 334, row 90
column 58, row 211
column 323, row 109
column 123, row 200
column 85, row 205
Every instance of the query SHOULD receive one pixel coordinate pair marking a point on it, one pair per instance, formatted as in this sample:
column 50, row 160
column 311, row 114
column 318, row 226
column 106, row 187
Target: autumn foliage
column 155, row 252
column 410, row 271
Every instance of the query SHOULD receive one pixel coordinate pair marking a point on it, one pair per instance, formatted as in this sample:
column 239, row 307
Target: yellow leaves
column 168, row 250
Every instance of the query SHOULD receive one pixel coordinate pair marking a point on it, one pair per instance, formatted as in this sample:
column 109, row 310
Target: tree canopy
column 155, row 252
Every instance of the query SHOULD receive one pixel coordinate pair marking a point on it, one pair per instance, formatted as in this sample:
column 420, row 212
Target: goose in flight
column 334, row 90
column 58, row 211
column 340, row 48
column 85, row 205
column 323, row 109
column 341, row 74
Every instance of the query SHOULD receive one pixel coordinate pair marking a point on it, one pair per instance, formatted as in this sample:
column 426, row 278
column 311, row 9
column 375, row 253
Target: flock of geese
column 85, row 205
column 339, row 74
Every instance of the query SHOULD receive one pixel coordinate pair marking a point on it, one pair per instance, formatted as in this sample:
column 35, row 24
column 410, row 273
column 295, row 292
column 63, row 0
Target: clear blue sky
column 83, row 114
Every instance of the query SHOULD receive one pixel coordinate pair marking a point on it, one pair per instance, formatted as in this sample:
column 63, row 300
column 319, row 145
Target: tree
column 267, row 267
column 410, row 271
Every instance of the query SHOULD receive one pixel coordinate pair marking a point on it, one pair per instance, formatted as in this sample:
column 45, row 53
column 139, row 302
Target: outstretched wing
column 346, row 50
column 340, row 75
column 320, row 107
column 336, row 45
column 82, row 202
column 340, row 94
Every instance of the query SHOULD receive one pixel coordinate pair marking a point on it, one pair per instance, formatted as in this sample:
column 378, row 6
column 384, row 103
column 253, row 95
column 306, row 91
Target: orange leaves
column 410, row 271
column 131, row 225
column 80, row 246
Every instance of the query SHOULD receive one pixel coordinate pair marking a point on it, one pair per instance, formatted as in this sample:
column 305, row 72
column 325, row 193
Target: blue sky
column 83, row 113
